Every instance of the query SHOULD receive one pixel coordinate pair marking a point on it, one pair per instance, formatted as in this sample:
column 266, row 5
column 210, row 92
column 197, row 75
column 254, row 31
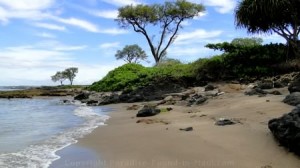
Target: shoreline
column 123, row 143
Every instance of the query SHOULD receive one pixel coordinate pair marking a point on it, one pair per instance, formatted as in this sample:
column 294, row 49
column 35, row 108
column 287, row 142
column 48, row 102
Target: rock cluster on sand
column 147, row 93
column 286, row 130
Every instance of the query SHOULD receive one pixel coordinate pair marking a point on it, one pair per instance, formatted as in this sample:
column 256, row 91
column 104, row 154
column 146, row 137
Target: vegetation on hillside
column 241, row 58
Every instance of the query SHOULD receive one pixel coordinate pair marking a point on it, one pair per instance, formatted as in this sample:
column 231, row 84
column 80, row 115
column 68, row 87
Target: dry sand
column 123, row 143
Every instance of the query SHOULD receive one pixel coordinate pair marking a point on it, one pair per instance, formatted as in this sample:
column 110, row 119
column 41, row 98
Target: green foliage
column 69, row 73
column 269, row 16
column 59, row 76
column 132, row 76
column 249, row 59
column 131, row 54
column 168, row 17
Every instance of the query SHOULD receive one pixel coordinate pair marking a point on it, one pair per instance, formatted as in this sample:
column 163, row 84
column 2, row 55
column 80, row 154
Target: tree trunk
column 294, row 49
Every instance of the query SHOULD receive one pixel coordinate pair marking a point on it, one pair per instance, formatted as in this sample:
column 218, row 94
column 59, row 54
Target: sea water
column 32, row 130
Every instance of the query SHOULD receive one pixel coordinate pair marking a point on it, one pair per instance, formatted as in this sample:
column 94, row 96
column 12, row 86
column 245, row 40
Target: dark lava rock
column 196, row 100
column 186, row 129
column 295, row 86
column 147, row 112
column 256, row 91
column 224, row 121
column 92, row 102
column 200, row 100
column 82, row 96
column 292, row 99
column 286, row 130
column 151, row 92
column 275, row 92
column 111, row 99
column 209, row 88
column 265, row 84
column 278, row 84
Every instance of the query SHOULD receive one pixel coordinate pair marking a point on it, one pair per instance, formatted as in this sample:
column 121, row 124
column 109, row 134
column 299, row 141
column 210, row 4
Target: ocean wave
column 43, row 154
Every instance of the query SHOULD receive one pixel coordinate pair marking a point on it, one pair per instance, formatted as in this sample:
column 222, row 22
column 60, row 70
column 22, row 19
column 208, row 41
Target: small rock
column 186, row 129
column 224, row 121
column 267, row 100
column 275, row 92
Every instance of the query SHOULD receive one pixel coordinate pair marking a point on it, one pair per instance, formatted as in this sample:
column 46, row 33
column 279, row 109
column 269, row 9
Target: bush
column 132, row 76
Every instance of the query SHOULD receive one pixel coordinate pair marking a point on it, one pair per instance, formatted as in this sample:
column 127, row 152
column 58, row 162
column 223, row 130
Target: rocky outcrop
column 142, row 94
column 265, row 84
column 292, row 99
column 295, row 86
column 286, row 130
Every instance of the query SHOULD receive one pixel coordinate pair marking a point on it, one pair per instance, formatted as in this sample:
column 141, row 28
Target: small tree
column 168, row 16
column 131, row 54
column 59, row 76
column 70, row 74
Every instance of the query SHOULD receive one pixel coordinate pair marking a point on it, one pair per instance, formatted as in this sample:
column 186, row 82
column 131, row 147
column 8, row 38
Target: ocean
column 33, row 130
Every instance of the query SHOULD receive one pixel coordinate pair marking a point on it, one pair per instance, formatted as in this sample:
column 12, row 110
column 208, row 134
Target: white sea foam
column 43, row 154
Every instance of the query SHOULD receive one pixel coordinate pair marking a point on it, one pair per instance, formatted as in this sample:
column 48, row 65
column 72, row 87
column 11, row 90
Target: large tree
column 70, row 74
column 167, row 17
column 131, row 54
column 271, row 16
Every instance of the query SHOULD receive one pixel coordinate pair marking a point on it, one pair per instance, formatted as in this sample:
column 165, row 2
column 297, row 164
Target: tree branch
column 171, row 38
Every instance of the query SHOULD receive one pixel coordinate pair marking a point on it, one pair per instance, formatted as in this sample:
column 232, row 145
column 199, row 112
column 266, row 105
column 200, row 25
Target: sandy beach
column 124, row 143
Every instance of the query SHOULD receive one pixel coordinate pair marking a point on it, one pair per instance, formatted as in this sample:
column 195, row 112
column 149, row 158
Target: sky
column 40, row 37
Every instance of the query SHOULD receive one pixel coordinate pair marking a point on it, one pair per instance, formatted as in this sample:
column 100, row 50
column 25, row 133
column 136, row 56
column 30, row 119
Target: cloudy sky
column 40, row 37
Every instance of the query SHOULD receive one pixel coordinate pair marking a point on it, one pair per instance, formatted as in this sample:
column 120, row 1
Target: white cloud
column 221, row 6
column 196, row 36
column 78, row 23
column 46, row 35
column 113, row 31
column 108, row 14
column 50, row 26
column 122, row 2
column 27, row 4
column 110, row 45
column 25, row 9
column 34, row 64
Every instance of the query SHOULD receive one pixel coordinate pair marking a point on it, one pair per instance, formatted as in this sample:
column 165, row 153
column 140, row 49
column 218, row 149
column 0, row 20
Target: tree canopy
column 69, row 73
column 167, row 17
column 59, row 76
column 269, row 16
column 131, row 54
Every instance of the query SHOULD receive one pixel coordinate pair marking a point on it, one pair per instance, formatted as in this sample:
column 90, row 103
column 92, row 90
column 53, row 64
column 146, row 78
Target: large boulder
column 266, row 84
column 295, row 86
column 286, row 130
column 148, row 111
column 292, row 99
column 82, row 96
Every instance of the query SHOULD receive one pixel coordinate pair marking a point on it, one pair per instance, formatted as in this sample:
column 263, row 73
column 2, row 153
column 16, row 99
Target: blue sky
column 40, row 37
